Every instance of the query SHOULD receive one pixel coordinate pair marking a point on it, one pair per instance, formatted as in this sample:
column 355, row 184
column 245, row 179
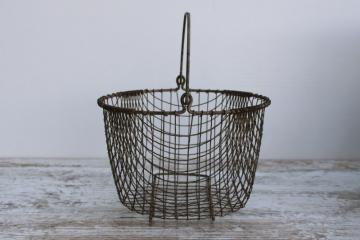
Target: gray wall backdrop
column 57, row 57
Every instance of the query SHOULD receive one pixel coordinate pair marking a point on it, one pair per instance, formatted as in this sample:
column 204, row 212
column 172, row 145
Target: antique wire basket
column 183, row 153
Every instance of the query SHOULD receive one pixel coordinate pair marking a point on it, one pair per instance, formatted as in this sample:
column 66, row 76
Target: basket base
column 183, row 196
column 186, row 188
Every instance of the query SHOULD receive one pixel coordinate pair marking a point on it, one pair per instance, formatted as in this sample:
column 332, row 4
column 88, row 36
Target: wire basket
column 183, row 153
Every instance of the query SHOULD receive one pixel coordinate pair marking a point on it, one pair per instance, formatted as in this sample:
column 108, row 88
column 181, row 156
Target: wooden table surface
column 76, row 199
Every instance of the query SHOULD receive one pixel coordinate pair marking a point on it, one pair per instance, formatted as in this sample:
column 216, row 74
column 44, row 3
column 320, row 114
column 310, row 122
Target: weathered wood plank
column 76, row 199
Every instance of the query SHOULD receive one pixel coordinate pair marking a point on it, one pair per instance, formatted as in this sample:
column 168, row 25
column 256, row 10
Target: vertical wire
column 198, row 160
column 143, row 161
column 175, row 165
column 229, row 165
column 218, row 171
column 162, row 158
column 128, row 158
column 134, row 121
column 190, row 123
column 199, row 129
column 148, row 135
column 152, row 156
column 177, row 155
column 162, row 153
column 210, row 147
column 220, row 168
column 207, row 156
column 169, row 146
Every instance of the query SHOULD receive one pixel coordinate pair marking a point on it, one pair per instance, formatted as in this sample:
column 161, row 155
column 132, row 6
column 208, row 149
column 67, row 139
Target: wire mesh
column 183, row 153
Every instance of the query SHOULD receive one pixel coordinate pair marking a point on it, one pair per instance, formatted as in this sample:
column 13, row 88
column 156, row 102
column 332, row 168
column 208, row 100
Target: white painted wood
column 76, row 199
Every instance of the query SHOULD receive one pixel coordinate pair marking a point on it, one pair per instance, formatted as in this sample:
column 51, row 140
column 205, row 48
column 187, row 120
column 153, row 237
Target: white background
column 58, row 57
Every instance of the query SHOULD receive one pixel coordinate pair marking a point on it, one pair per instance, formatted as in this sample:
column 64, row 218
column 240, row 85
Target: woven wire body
column 183, row 153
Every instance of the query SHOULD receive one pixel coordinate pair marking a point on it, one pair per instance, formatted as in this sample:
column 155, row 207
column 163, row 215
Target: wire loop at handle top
column 181, row 80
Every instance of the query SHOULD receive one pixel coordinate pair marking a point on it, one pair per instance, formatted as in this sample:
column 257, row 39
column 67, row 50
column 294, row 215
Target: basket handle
column 186, row 99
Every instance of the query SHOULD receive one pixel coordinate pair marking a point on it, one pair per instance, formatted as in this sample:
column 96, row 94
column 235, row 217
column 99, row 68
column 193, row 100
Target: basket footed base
column 190, row 193
column 182, row 197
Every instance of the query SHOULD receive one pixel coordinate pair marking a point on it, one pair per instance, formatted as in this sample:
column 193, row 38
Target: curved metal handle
column 186, row 99
column 186, row 26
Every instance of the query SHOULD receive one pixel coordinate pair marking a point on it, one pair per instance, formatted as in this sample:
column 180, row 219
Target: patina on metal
column 183, row 153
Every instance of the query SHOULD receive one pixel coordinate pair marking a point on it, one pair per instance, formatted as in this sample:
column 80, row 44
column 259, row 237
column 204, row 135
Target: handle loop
column 181, row 80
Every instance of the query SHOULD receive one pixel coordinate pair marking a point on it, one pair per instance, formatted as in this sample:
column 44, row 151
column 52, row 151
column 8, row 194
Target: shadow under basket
column 183, row 153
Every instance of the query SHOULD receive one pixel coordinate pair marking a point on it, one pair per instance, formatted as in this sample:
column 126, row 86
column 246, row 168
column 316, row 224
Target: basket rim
column 101, row 102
